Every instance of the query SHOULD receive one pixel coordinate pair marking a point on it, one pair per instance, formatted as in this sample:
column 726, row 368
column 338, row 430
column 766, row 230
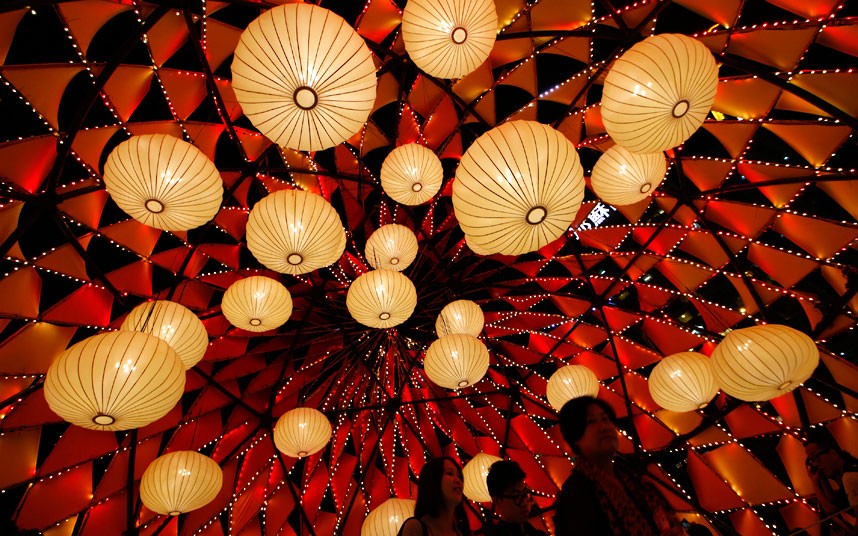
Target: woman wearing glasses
column 602, row 497
column 834, row 473
column 439, row 510
column 512, row 501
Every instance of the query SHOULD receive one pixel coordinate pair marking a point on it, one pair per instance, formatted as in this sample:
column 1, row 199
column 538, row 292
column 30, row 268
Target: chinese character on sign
column 596, row 217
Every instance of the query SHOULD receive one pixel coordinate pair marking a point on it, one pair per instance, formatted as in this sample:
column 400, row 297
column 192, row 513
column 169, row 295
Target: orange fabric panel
column 254, row 143
column 706, row 174
column 778, row 47
column 747, row 523
column 818, row 410
column 87, row 208
column 221, row 40
column 631, row 354
column 669, row 338
column 64, row 260
column 845, row 431
column 745, row 98
column 21, row 290
column 9, row 215
column 134, row 278
column 8, row 24
column 127, row 87
column 819, row 237
column 31, row 412
column 745, row 421
column 27, row 163
column 799, row 515
column 723, row 12
column 787, row 410
column 780, row 196
column 168, row 35
column 617, row 319
column 170, row 128
column 18, row 450
column 747, row 220
column 748, row 477
column 89, row 144
column 791, row 451
column 65, row 528
column 713, row 493
column 34, row 347
column 845, row 193
column 89, row 305
column 843, row 371
column 810, row 9
column 186, row 90
column 77, row 445
column 205, row 136
column 378, row 20
column 604, row 238
column 785, row 268
column 441, row 123
column 734, row 136
column 686, row 277
column 842, row 38
column 139, row 238
column 55, row 499
column 511, row 50
column 106, row 518
column 815, row 143
column 85, row 18
column 560, row 14
column 43, row 86
column 704, row 246
column 425, row 96
column 666, row 239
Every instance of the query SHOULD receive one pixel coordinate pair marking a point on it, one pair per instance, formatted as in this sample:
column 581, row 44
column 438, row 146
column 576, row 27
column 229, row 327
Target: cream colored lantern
column 381, row 298
column 175, row 324
column 179, row 482
column 301, row 432
column 163, row 182
column 460, row 316
column 257, row 303
column 763, row 362
column 571, row 381
column 304, row 77
column 388, row 517
column 411, row 174
column 475, row 473
column 117, row 380
column 621, row 177
column 449, row 38
column 659, row 92
column 456, row 361
column 517, row 188
column 391, row 246
column 683, row 382
column 295, row 232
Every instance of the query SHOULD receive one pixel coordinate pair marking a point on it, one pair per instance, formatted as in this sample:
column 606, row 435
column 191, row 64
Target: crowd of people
column 605, row 495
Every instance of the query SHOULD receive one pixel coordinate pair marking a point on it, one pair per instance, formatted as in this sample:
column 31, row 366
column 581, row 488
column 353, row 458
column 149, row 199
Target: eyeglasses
column 520, row 497
column 812, row 459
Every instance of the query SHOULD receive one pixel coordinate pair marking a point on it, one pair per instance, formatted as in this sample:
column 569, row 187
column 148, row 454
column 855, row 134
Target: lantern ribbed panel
column 179, row 482
column 173, row 323
column 304, row 77
column 571, row 381
column 388, row 517
column 449, row 38
column 115, row 381
column 517, row 188
column 411, row 174
column 659, row 92
column 621, row 177
column 460, row 316
column 683, row 382
column 257, row 303
column 381, row 298
column 763, row 362
column 456, row 361
column 163, row 182
column 391, row 246
column 475, row 473
column 295, row 232
column 301, row 432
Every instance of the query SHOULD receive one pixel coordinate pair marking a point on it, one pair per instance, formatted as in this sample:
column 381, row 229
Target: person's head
column 510, row 496
column 439, row 487
column 588, row 426
column 823, row 453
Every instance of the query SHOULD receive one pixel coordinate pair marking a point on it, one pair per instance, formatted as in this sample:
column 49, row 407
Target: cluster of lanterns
column 457, row 358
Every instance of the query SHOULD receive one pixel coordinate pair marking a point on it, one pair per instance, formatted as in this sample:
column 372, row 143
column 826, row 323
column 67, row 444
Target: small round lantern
column 475, row 473
column 381, row 298
column 391, row 246
column 173, row 323
column 683, row 382
column 460, row 316
column 571, row 381
column 301, row 432
column 179, row 482
column 257, row 303
column 456, row 361
column 621, row 177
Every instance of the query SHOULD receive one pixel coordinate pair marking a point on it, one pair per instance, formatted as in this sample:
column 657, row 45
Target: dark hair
column 573, row 418
column 502, row 476
column 822, row 437
column 429, row 496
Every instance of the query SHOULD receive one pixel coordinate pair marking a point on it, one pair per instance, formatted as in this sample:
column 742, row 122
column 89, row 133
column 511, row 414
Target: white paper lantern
column 659, row 92
column 388, row 517
column 391, row 246
column 381, row 298
column 411, row 174
column 517, row 188
column 449, row 38
column 763, row 362
column 173, row 323
column 475, row 473
column 456, row 361
column 179, row 482
column 301, row 432
column 621, row 177
column 257, row 303
column 117, row 380
column 295, row 232
column 163, row 182
column 460, row 316
column 683, row 382
column 304, row 77
column 571, row 381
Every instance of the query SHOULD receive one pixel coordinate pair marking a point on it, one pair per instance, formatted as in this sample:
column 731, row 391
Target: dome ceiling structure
column 755, row 221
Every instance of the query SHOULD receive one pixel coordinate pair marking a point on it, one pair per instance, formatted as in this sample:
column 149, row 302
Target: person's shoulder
column 412, row 527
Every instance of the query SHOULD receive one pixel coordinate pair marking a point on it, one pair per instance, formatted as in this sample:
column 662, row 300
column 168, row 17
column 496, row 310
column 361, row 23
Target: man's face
column 826, row 460
column 514, row 505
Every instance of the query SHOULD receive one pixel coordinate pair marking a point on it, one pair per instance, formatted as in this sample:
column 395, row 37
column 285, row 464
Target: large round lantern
column 475, row 473
column 179, row 482
column 301, row 432
column 449, row 38
column 683, row 382
column 763, row 362
column 388, row 517
column 571, row 381
column 295, row 232
column 257, row 303
column 460, row 316
column 411, row 174
column 163, row 182
column 517, row 188
column 621, row 177
column 304, row 77
column 115, row 381
column 381, row 298
column 659, row 92
column 174, row 323
column 391, row 246
column 456, row 361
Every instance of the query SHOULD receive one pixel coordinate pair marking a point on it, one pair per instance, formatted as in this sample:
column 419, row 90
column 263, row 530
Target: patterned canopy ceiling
column 755, row 222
